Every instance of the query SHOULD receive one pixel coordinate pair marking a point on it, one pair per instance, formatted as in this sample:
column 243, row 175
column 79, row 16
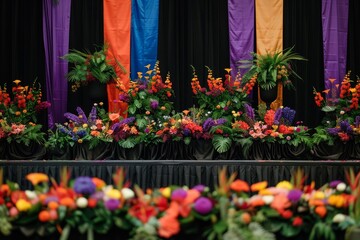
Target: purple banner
column 241, row 31
column 56, row 22
column 335, row 25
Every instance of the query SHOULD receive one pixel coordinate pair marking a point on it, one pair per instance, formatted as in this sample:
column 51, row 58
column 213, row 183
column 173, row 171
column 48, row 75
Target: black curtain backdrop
column 86, row 33
column 303, row 29
column 353, row 49
column 192, row 33
column 22, row 45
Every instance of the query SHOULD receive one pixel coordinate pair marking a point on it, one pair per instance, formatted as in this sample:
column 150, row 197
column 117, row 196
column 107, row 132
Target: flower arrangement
column 269, row 68
column 94, row 128
column 148, row 98
column 342, row 113
column 235, row 210
column 91, row 66
column 18, row 114
column 222, row 96
column 271, row 126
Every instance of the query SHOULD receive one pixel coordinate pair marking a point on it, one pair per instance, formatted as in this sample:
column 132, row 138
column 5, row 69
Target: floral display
column 148, row 98
column 342, row 113
column 91, row 66
column 234, row 210
column 222, row 96
column 18, row 113
column 269, row 68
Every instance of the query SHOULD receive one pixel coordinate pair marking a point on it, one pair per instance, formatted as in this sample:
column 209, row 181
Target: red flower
column 298, row 221
column 142, row 211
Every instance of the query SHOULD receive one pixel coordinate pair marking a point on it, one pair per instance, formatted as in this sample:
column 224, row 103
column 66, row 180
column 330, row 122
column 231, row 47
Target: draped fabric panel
column 303, row 30
column 154, row 174
column 353, row 46
column 241, row 31
column 117, row 28
column 56, row 21
column 86, row 34
column 335, row 26
column 144, row 34
column 269, row 25
column 192, row 33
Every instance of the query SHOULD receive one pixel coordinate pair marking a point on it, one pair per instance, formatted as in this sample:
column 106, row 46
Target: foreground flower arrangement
column 234, row 210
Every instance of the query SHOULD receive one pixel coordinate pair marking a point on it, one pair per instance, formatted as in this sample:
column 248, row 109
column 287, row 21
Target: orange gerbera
column 239, row 186
column 168, row 226
column 259, row 186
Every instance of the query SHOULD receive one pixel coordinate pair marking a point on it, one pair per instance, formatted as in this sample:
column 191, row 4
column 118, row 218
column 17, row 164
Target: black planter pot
column 269, row 95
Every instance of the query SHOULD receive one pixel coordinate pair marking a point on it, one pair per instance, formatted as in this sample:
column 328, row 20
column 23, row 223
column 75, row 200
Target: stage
column 160, row 173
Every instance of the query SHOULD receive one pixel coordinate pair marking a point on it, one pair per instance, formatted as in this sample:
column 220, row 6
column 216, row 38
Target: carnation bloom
column 84, row 185
column 112, row 204
column 168, row 226
column 203, row 205
column 239, row 186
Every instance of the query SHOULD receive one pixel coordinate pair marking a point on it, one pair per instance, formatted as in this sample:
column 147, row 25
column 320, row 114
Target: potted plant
column 269, row 69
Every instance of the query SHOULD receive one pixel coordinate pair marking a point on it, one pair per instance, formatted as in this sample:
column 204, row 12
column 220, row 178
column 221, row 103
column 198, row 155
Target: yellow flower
column 228, row 70
column 259, row 186
column 319, row 195
column 337, row 201
column 166, row 192
column 285, row 184
column 22, row 205
column 36, row 178
column 24, row 111
column 163, row 108
column 80, row 140
column 114, row 194
column 84, row 125
column 17, row 113
column 101, row 103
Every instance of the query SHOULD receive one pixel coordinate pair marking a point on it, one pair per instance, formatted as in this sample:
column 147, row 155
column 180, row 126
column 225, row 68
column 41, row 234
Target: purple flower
column 186, row 132
column 147, row 130
column 277, row 117
column 220, row 121
column 226, row 108
column 357, row 121
column 92, row 115
column 333, row 184
column 178, row 194
column 81, row 113
column 72, row 117
column 84, row 185
column 333, row 131
column 288, row 115
column 208, row 124
column 112, row 204
column 346, row 127
column 81, row 133
column 124, row 97
column 199, row 188
column 249, row 111
column 154, row 104
column 203, row 205
column 122, row 122
column 97, row 195
column 294, row 195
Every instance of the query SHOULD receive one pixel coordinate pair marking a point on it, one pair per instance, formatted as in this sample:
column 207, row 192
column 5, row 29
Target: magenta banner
column 335, row 26
column 241, row 31
column 56, row 22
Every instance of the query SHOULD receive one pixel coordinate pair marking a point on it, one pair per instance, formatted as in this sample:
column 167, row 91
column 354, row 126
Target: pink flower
column 17, row 129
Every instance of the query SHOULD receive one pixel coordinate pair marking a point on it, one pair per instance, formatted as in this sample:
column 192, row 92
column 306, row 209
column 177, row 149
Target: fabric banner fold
column 56, row 22
column 241, row 32
column 335, row 27
column 117, row 22
column 144, row 34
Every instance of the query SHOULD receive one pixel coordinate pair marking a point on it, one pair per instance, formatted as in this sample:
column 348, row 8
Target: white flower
column 342, row 112
column 127, row 193
column 30, row 194
column 268, row 199
column 341, row 187
column 81, row 202
column 338, row 218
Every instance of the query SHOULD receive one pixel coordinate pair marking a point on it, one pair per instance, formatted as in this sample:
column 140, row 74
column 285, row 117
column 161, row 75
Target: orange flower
column 44, row 216
column 245, row 218
column 256, row 202
column 239, row 186
column 68, row 202
column 321, row 211
column 168, row 226
column 53, row 205
column 280, row 202
column 114, row 116
column 259, row 186
column 36, row 178
column 99, row 183
column 95, row 133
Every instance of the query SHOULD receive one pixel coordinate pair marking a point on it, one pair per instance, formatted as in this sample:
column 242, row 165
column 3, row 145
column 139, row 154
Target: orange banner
column 269, row 25
column 269, row 35
column 117, row 28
